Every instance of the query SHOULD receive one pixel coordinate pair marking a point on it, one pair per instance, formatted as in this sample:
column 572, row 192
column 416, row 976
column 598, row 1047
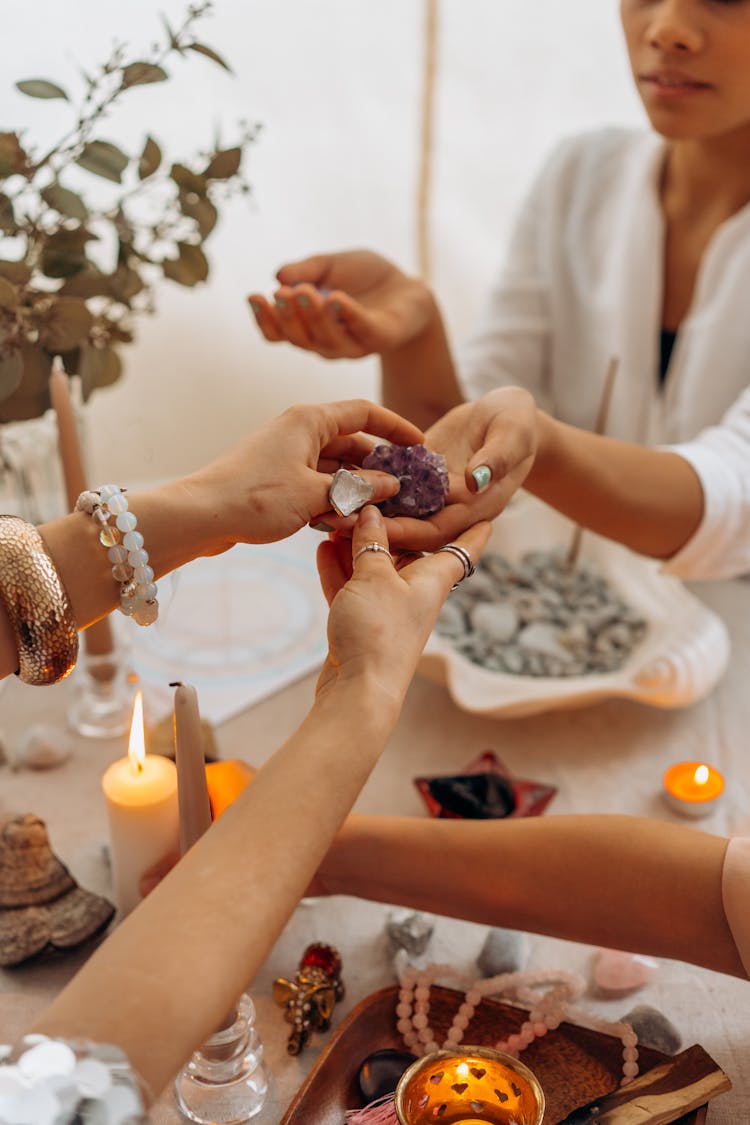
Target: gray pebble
column 496, row 620
column 504, row 951
column 654, row 1029
column 409, row 931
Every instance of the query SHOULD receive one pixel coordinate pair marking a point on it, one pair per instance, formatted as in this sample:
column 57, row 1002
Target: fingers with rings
column 464, row 558
column 374, row 547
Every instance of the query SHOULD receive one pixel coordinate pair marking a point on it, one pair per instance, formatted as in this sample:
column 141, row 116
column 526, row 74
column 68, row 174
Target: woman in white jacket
column 631, row 244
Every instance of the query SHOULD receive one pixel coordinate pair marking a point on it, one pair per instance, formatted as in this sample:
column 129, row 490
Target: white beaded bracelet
column 125, row 551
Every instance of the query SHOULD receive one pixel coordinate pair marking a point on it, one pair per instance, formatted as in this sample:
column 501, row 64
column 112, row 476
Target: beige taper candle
column 192, row 790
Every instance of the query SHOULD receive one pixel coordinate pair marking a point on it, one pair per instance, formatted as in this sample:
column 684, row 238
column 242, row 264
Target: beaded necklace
column 549, row 995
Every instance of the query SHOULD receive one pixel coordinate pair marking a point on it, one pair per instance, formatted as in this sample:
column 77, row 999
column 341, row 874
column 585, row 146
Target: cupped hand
column 344, row 305
column 277, row 480
column 490, row 446
column 382, row 611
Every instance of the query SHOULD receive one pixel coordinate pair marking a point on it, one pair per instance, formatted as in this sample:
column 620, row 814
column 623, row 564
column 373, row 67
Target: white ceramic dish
column 679, row 661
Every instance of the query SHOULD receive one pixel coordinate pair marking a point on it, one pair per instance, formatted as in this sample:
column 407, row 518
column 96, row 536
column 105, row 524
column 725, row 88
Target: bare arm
column 651, row 500
column 617, row 881
column 246, row 495
column 162, row 982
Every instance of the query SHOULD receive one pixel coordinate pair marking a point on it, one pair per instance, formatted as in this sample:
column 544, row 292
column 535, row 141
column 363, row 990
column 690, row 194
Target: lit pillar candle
column 693, row 788
column 141, row 792
column 195, row 807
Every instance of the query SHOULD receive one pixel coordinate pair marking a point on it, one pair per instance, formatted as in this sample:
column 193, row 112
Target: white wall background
column 337, row 87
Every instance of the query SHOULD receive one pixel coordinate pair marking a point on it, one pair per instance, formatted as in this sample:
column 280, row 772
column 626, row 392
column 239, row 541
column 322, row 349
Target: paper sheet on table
column 238, row 626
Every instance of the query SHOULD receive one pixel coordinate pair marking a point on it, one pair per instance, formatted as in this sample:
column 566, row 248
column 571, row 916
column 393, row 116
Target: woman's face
column 691, row 63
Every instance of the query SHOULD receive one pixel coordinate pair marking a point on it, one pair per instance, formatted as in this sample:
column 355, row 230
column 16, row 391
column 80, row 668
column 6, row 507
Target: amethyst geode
column 423, row 476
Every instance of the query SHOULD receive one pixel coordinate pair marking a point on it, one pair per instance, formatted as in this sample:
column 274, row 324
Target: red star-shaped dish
column 484, row 791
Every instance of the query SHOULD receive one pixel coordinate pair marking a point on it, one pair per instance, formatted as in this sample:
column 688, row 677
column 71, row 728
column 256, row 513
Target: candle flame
column 462, row 1069
column 137, row 743
column 700, row 777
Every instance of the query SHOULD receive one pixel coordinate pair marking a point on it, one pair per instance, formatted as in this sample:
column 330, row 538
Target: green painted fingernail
column 303, row 300
column 321, row 527
column 482, row 475
column 281, row 302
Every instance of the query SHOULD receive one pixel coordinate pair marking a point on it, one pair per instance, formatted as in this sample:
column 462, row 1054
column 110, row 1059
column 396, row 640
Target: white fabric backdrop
column 337, row 87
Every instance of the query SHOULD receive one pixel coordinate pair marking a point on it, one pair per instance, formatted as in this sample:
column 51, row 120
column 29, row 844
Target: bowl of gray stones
column 528, row 632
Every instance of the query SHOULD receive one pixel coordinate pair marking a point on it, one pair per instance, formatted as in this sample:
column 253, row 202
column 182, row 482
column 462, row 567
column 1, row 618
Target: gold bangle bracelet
column 37, row 605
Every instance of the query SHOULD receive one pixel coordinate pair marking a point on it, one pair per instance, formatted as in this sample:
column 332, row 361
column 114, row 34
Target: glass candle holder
column 103, row 692
column 469, row 1086
column 225, row 1082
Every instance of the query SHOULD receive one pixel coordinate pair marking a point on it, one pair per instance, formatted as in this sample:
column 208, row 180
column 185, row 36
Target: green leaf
column 202, row 49
column 13, row 159
column 98, row 367
column 66, row 202
column 41, row 88
column 17, row 272
column 11, row 373
column 188, row 181
column 189, row 268
column 8, row 224
column 104, row 159
column 30, row 397
column 142, row 74
column 8, row 295
column 224, row 164
column 202, row 211
column 125, row 283
column 88, row 283
column 64, row 252
column 150, row 159
column 66, row 325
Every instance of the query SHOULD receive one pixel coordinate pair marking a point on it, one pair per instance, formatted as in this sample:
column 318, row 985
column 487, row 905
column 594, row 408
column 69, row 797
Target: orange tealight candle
column 693, row 788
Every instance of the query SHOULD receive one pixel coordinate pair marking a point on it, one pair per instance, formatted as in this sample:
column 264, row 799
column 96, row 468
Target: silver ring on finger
column 349, row 492
column 463, row 556
column 375, row 547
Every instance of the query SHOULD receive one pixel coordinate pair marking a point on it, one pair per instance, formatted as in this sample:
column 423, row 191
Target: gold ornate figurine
column 310, row 997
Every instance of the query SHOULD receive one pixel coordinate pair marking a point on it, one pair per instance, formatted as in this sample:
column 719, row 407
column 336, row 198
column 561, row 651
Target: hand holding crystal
column 490, row 446
column 279, row 478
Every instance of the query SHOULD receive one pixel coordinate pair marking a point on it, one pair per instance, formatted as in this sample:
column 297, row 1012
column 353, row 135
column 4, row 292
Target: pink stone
column 615, row 971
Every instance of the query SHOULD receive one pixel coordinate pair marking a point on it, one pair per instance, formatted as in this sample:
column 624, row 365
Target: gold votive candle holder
column 469, row 1086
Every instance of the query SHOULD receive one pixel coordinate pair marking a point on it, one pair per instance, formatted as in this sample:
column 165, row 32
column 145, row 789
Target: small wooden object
column 659, row 1096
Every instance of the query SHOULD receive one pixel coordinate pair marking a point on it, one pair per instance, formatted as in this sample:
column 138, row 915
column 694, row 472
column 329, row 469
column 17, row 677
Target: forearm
column 184, row 955
column 178, row 523
column 615, row 881
column 419, row 380
column 651, row 500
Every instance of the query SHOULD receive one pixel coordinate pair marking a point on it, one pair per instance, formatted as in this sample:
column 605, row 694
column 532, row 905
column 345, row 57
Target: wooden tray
column 573, row 1064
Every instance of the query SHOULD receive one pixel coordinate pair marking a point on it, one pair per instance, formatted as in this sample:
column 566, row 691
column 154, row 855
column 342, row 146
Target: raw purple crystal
column 423, row 476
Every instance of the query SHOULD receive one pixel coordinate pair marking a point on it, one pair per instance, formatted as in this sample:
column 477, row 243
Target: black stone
column 476, row 796
column 378, row 1075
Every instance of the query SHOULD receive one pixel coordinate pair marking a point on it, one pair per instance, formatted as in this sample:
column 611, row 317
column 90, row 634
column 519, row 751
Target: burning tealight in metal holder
column 470, row 1086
